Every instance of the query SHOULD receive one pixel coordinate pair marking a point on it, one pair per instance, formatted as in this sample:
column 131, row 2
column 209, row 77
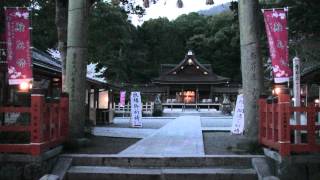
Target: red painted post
column 37, row 103
column 284, row 124
column 64, row 115
column 311, row 126
column 54, row 120
column 262, row 122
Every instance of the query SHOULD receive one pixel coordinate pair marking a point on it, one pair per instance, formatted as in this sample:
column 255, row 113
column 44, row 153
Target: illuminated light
column 197, row 67
column 103, row 100
column 24, row 86
column 205, row 73
column 293, row 99
column 182, row 67
column 55, row 79
column 30, row 85
column 317, row 101
column 190, row 61
column 277, row 90
column 174, row 72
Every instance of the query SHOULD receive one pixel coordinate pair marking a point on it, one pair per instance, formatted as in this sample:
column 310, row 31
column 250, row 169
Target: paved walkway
column 121, row 129
column 182, row 136
column 123, row 132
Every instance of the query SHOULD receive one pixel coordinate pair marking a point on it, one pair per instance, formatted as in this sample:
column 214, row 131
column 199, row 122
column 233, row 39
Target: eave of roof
column 185, row 62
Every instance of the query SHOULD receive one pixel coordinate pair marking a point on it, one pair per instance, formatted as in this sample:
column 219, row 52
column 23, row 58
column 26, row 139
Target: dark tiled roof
column 44, row 60
column 188, row 73
column 190, row 79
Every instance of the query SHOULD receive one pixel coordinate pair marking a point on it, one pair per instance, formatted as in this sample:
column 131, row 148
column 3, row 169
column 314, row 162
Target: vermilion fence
column 48, row 125
column 276, row 131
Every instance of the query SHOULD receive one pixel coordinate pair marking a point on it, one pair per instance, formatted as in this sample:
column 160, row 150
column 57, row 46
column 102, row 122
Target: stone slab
column 26, row 158
column 182, row 136
column 61, row 167
column 262, row 168
column 89, row 172
column 122, row 132
column 238, row 161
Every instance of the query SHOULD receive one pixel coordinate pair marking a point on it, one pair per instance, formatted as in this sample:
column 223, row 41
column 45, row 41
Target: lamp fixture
column 25, row 86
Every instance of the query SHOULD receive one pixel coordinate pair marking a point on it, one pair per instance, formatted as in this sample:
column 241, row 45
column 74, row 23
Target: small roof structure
column 45, row 63
column 189, row 71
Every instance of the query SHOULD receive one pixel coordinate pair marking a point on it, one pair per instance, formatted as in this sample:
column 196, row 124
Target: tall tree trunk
column 251, row 65
column 76, row 64
column 61, row 23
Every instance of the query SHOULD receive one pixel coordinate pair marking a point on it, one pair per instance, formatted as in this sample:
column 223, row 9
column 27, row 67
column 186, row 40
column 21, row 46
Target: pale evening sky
column 168, row 8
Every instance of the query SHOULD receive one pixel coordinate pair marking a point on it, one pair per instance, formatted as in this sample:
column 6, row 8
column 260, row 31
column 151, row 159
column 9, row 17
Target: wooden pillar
column 211, row 92
column 110, row 106
column 37, row 108
column 97, row 97
column 76, row 66
column 251, row 64
column 88, row 101
column 284, row 123
column 64, row 117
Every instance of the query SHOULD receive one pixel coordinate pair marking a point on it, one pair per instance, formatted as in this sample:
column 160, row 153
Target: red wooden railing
column 275, row 130
column 48, row 125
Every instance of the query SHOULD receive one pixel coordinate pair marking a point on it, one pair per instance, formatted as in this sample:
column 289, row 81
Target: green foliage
column 134, row 55
column 214, row 40
column 44, row 31
column 113, row 42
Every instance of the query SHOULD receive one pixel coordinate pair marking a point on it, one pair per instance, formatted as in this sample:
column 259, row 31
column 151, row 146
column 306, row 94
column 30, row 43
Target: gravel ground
column 216, row 121
column 220, row 143
column 103, row 145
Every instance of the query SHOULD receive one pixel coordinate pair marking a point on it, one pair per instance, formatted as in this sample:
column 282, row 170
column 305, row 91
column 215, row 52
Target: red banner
column 276, row 28
column 18, row 45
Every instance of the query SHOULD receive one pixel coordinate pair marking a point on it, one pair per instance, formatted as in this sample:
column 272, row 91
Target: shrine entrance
column 189, row 97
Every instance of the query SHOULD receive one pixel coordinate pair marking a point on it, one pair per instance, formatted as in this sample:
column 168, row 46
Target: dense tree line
column 133, row 54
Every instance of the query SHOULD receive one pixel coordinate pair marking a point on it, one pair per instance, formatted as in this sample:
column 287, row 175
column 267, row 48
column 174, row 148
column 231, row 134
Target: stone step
column 239, row 161
column 121, row 173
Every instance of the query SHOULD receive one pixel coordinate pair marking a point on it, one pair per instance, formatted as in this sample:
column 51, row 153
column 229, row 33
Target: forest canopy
column 134, row 54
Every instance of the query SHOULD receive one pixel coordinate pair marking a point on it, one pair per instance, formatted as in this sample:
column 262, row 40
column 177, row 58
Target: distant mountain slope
column 215, row 9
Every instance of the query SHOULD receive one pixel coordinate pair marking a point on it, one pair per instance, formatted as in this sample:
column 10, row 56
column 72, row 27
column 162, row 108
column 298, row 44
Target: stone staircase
column 116, row 167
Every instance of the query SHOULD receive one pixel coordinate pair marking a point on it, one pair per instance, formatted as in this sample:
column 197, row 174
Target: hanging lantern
column 209, row 2
column 146, row 3
column 179, row 4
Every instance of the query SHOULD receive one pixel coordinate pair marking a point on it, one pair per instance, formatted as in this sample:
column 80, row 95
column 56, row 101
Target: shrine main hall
column 191, row 82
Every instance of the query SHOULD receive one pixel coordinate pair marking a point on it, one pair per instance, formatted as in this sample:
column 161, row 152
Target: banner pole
column 297, row 97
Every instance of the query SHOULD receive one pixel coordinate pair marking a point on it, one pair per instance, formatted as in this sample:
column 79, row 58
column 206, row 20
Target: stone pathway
column 182, row 136
column 123, row 132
